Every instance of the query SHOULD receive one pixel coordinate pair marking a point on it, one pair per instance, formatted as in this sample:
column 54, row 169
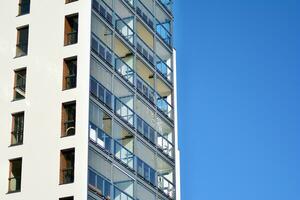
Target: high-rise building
column 88, row 100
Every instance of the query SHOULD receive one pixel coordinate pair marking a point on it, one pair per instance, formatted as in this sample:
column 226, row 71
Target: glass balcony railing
column 164, row 33
column 104, row 10
column 124, row 70
column 166, row 186
column 124, row 112
column 100, row 138
column 167, row 4
column 105, row 52
column 165, row 146
column 143, row 88
column 99, row 185
column 130, row 117
column 120, row 195
column 146, row 172
column 101, row 93
column 124, row 29
column 164, row 70
column 103, row 188
column 121, row 153
column 145, row 130
column 145, row 14
column 124, row 155
column 164, row 107
column 20, row 82
column 102, row 50
column 145, row 51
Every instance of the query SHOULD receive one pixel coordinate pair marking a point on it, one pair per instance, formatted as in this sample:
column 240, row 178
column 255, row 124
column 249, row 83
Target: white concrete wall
column 44, row 96
column 177, row 152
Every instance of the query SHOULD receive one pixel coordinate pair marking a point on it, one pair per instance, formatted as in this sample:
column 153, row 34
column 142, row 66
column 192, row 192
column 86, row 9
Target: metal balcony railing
column 124, row 155
column 17, row 137
column 100, row 138
column 21, row 49
column 124, row 112
column 24, row 7
column 72, row 37
column 14, row 184
column 124, row 29
column 67, row 175
column 166, row 186
column 124, row 70
column 69, row 128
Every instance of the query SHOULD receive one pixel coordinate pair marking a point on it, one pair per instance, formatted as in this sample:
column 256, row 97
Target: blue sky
column 239, row 98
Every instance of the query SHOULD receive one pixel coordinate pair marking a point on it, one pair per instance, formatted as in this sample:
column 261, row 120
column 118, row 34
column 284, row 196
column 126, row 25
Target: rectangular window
column 70, row 1
column 20, row 84
column 71, row 29
column 67, row 157
column 17, row 128
column 22, row 41
column 24, row 7
column 68, row 118
column 67, row 198
column 15, row 170
column 70, row 73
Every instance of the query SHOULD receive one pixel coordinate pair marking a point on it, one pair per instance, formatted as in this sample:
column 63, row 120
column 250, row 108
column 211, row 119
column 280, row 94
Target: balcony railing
column 167, row 4
column 166, row 186
column 100, row 138
column 124, row 70
column 67, row 175
column 164, row 70
column 164, row 107
column 124, row 29
column 121, row 195
column 102, row 50
column 146, row 172
column 146, row 90
column 21, row 49
column 145, row 14
column 165, row 146
column 99, row 185
column 124, row 155
column 69, row 128
column 14, row 184
column 24, row 7
column 145, row 130
column 101, row 93
column 164, row 33
column 104, row 10
column 145, row 51
column 130, row 117
column 20, row 82
column 72, row 38
column 70, row 81
column 124, row 112
column 105, row 52
column 17, row 137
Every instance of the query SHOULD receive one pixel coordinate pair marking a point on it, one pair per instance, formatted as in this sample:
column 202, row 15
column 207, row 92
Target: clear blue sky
column 239, row 98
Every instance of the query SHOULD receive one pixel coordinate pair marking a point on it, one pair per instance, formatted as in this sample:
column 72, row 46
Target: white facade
column 42, row 141
column 42, row 104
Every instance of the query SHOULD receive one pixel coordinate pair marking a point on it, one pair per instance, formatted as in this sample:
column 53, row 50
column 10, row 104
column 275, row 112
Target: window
column 15, row 170
column 17, row 128
column 67, row 198
column 20, row 84
column 24, row 7
column 22, row 41
column 68, row 118
column 70, row 1
column 70, row 73
column 67, row 166
column 71, row 29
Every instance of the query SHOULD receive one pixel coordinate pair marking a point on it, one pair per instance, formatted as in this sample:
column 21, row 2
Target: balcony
column 126, row 114
column 100, row 138
column 101, row 93
column 103, row 187
column 105, row 52
column 166, row 187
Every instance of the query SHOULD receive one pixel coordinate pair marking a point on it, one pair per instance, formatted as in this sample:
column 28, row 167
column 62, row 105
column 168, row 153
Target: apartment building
column 88, row 100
